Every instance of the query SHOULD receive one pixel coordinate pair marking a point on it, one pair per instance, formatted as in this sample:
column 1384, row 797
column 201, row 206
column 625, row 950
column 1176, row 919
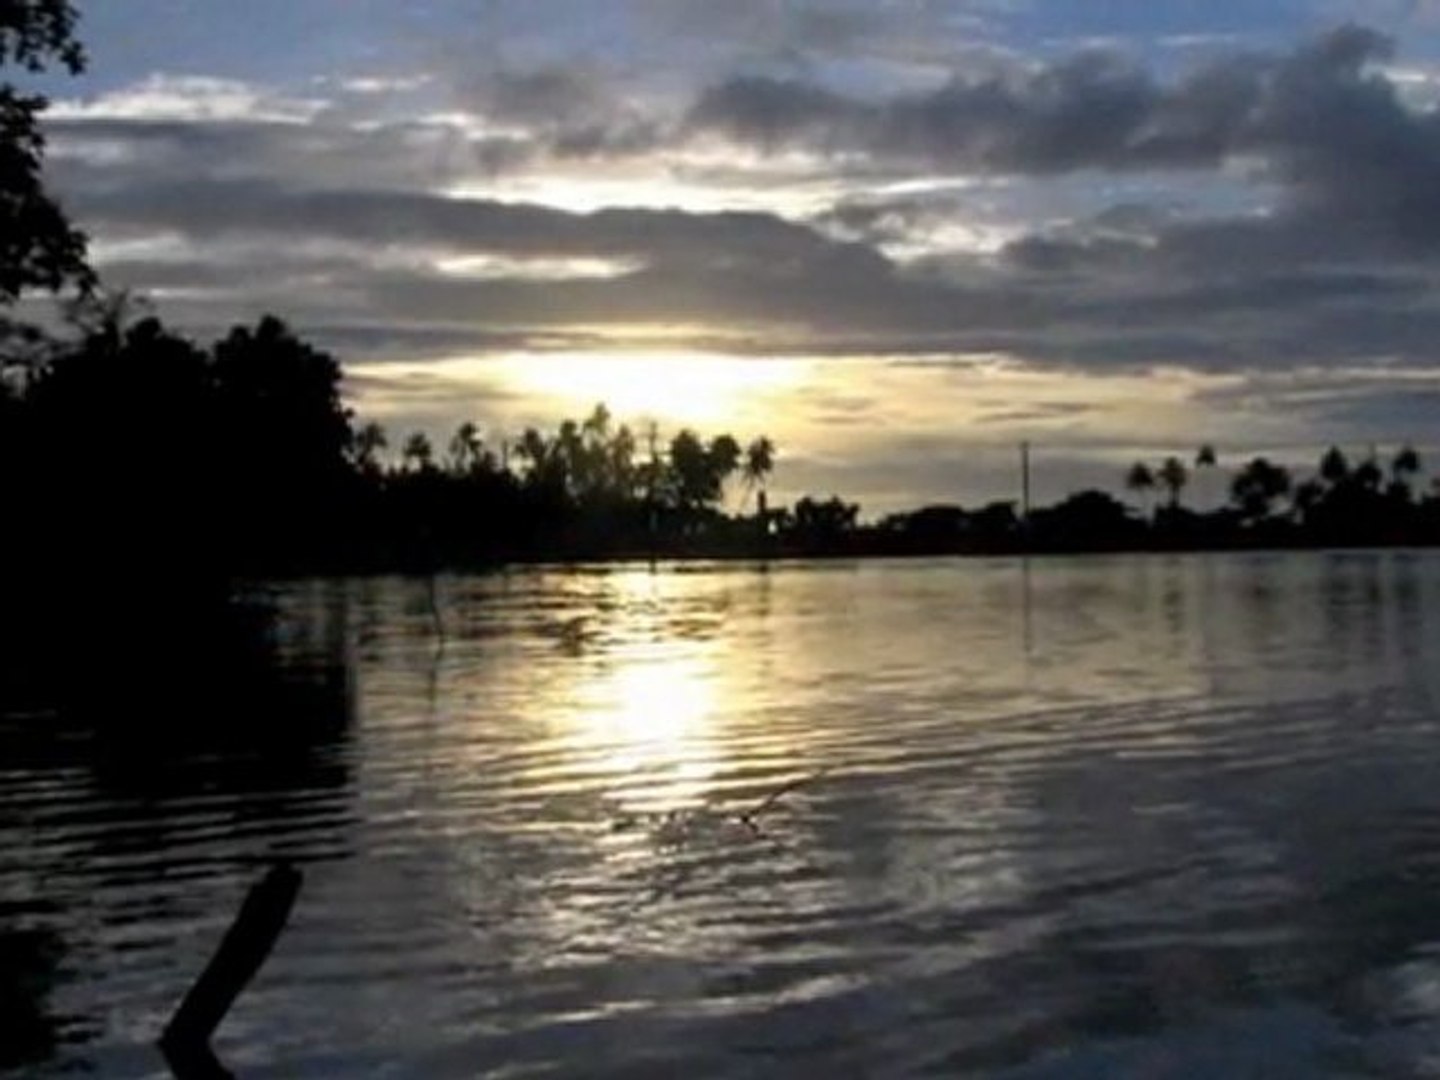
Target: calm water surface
column 1142, row 816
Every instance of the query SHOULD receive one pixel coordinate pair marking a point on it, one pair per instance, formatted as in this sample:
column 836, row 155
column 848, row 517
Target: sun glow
column 649, row 722
column 686, row 387
column 637, row 703
column 654, row 708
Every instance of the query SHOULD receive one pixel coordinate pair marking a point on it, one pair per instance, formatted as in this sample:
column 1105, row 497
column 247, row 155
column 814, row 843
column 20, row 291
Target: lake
column 1131, row 816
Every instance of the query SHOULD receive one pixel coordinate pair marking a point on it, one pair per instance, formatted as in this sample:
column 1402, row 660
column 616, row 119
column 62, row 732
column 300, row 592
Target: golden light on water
column 642, row 703
column 651, row 720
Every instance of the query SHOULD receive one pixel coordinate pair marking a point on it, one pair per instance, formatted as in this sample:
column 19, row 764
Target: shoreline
column 580, row 560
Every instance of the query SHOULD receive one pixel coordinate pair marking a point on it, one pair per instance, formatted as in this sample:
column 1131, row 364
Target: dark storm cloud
column 568, row 112
column 361, row 343
column 129, row 153
column 1094, row 110
column 343, row 222
column 546, row 96
column 1320, row 123
column 722, row 241
column 777, row 281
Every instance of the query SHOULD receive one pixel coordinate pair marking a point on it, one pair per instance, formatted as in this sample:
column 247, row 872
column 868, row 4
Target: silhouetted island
column 141, row 456
column 141, row 465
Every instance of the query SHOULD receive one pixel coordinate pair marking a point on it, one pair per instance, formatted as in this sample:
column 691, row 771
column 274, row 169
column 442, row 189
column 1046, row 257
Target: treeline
column 592, row 488
column 130, row 445
column 1372, row 502
column 129, row 449
column 1340, row 503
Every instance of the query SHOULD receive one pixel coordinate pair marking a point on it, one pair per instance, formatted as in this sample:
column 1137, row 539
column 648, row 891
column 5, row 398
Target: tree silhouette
column 466, row 450
column 724, row 455
column 1309, row 496
column 567, row 455
column 759, row 464
column 622, row 478
column 1173, row 476
column 39, row 249
column 699, row 470
column 417, row 453
column 366, row 447
column 1368, row 476
column 1206, row 461
column 604, row 470
column 818, row 522
column 281, row 444
column 1086, row 521
column 690, row 470
column 104, row 314
column 1141, row 480
column 1257, row 486
column 241, row 460
column 1334, row 468
column 543, row 468
column 1405, row 466
column 136, row 389
column 281, row 403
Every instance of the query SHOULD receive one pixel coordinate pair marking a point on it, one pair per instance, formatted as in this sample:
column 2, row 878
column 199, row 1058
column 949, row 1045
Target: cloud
column 1093, row 110
column 1348, row 404
column 189, row 98
column 990, row 232
column 574, row 111
column 115, row 153
column 545, row 96
column 1051, row 227
column 764, row 282
column 1321, row 122
column 731, row 241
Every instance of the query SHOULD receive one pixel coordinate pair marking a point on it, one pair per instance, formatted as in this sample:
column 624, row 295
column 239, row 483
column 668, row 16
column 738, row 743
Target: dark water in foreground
column 1110, row 817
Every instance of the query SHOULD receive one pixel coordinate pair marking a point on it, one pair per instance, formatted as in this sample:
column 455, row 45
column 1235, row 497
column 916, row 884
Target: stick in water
column 243, row 949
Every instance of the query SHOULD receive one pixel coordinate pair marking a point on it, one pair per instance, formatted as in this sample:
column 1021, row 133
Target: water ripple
column 1098, row 817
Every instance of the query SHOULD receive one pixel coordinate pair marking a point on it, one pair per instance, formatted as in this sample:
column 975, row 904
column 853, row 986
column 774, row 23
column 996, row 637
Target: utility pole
column 652, row 436
column 1025, row 481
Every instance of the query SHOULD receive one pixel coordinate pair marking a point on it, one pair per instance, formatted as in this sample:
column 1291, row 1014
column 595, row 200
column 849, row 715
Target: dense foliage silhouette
column 150, row 456
column 39, row 248
column 137, row 459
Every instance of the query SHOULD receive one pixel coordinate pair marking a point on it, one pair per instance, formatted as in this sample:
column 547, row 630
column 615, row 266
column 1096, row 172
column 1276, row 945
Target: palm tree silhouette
column 1308, row 497
column 759, row 463
column 1368, row 474
column 466, row 449
column 1173, row 476
column 1405, row 466
column 1334, row 469
column 369, row 441
column 1141, row 480
column 539, row 456
column 1206, row 459
column 417, row 452
column 1258, row 485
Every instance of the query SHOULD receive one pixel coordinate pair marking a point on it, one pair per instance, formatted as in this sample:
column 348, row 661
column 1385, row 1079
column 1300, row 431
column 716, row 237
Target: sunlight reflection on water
column 1080, row 817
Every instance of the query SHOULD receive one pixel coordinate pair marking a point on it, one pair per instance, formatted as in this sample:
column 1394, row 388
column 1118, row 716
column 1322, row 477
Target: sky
column 898, row 236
